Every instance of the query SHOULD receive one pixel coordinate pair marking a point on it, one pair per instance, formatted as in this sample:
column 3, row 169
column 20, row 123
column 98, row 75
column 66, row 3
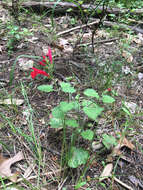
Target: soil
column 100, row 70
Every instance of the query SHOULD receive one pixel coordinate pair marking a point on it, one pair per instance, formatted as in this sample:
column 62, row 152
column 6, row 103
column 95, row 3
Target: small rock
column 25, row 64
column 140, row 76
column 96, row 146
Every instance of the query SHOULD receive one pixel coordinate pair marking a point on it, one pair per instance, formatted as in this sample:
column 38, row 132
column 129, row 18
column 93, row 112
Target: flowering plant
column 47, row 62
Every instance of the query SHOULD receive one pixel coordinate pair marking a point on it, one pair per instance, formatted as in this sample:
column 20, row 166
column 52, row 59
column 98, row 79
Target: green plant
column 15, row 35
column 70, row 115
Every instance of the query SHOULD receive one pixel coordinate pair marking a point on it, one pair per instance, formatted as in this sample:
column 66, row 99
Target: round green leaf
column 45, row 88
column 65, row 106
column 92, row 112
column 88, row 103
column 57, row 113
column 66, row 87
column 91, row 92
column 108, row 141
column 107, row 99
column 56, row 123
column 87, row 134
column 78, row 156
column 71, row 123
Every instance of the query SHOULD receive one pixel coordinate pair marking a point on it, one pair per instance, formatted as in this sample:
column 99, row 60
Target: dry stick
column 123, row 184
column 106, row 23
column 31, row 177
column 100, row 41
column 65, row 5
column 19, row 180
column 77, row 27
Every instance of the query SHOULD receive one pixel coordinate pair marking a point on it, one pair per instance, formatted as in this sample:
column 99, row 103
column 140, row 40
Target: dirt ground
column 114, row 65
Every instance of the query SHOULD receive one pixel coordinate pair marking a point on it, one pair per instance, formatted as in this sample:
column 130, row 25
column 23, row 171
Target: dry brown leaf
column 130, row 59
column 5, row 165
column 124, row 142
column 106, row 172
column 128, row 56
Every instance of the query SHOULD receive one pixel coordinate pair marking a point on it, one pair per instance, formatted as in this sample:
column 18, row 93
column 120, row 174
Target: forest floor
column 116, row 64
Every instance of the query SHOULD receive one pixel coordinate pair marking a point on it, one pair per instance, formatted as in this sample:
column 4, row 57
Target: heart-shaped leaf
column 78, row 156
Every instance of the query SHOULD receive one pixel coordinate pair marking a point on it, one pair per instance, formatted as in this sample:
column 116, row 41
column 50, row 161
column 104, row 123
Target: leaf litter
column 5, row 164
column 104, row 53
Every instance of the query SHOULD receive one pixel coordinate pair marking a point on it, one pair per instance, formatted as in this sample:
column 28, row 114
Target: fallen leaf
column 106, row 172
column 124, row 142
column 5, row 165
column 121, row 143
column 128, row 56
column 14, row 101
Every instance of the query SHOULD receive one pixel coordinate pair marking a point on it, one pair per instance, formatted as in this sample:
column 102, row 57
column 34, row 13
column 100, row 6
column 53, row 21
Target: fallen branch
column 123, row 184
column 61, row 6
column 105, row 23
column 123, row 26
column 99, row 42
column 77, row 27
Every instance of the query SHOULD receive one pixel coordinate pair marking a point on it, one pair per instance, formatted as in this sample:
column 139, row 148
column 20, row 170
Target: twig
column 123, row 184
column 77, row 27
column 100, row 41
column 31, row 177
column 19, row 180
column 106, row 23
column 61, row 185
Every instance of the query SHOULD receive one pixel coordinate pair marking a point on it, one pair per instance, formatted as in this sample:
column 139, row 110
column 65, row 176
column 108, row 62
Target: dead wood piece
column 123, row 184
column 123, row 26
column 106, row 23
column 61, row 6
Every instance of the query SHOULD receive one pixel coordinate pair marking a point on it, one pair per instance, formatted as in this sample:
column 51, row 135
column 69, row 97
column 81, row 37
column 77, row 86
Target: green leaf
column 45, row 88
column 66, row 87
column 93, row 113
column 91, row 92
column 57, row 113
column 87, row 134
column 69, row 10
column 108, row 141
column 65, row 106
column 56, row 122
column 126, row 111
column 71, row 123
column 107, row 99
column 80, row 184
column 88, row 103
column 78, row 156
column 76, row 104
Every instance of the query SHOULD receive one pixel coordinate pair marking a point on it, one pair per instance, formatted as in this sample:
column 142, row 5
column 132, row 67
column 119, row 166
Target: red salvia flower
column 109, row 89
column 36, row 71
column 41, row 63
column 49, row 54
column 44, row 62
column 44, row 57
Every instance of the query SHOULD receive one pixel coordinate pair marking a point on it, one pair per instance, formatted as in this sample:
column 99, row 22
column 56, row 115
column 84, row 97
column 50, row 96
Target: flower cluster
column 44, row 62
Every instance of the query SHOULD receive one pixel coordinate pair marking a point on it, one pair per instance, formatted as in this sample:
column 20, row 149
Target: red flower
column 37, row 71
column 109, row 89
column 41, row 63
column 44, row 57
column 49, row 54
